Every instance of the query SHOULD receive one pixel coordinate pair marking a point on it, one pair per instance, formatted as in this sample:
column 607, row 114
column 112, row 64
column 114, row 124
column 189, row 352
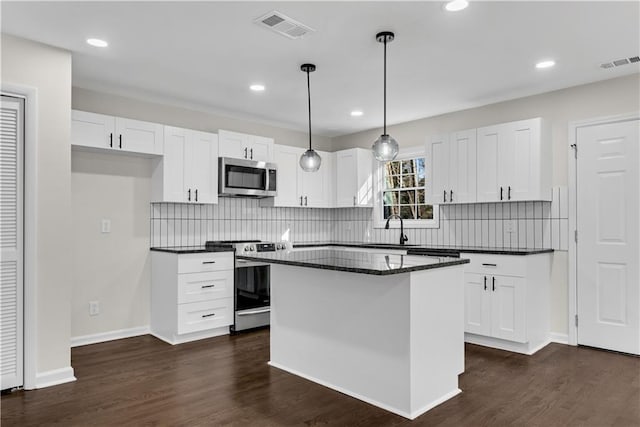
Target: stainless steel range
column 252, row 293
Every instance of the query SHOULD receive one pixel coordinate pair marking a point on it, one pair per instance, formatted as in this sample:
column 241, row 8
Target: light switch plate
column 94, row 308
column 106, row 226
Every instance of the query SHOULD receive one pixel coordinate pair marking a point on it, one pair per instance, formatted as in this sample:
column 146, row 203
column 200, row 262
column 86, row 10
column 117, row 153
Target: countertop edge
column 179, row 251
column 496, row 251
column 358, row 270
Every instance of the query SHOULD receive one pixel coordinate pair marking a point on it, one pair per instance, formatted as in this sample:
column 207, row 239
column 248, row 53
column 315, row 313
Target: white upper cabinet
column 316, row 188
column 451, row 168
column 514, row 162
column 243, row 146
column 188, row 171
column 115, row 133
column 438, row 183
column 297, row 188
column 353, row 178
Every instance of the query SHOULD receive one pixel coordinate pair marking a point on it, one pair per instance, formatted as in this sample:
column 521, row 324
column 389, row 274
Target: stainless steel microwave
column 248, row 178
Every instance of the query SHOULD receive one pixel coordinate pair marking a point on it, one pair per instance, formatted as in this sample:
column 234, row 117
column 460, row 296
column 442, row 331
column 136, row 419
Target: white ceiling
column 205, row 54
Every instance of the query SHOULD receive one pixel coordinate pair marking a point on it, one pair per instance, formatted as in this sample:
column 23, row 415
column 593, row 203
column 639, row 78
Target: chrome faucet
column 403, row 237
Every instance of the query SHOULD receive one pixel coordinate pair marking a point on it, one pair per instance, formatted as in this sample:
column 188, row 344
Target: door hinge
column 575, row 150
column 576, row 320
column 575, row 236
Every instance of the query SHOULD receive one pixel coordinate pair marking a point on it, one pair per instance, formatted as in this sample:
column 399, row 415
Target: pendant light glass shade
column 385, row 148
column 310, row 161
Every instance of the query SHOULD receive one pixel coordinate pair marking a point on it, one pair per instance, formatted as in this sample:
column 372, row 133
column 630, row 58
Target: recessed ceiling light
column 97, row 42
column 356, row 113
column 545, row 64
column 456, row 5
column 256, row 87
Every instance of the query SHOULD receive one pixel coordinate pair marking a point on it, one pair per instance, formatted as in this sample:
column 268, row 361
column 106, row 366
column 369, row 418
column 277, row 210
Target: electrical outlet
column 94, row 308
column 106, row 226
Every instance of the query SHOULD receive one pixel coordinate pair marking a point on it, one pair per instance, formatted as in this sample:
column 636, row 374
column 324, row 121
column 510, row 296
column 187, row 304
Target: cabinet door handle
column 189, row 195
column 451, row 196
column 196, row 194
column 509, row 193
column 444, row 196
column 245, row 153
column 120, row 139
column 208, row 262
column 211, row 286
column 489, row 265
column 111, row 139
column 305, row 200
column 485, row 283
column 300, row 200
column 251, row 153
column 354, row 200
column 208, row 315
column 493, row 284
column 500, row 193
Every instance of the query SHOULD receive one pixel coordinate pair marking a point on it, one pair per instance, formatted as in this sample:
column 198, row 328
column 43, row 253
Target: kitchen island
column 383, row 328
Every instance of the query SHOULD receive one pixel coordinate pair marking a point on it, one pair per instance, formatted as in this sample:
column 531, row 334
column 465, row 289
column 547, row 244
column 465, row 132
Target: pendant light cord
column 385, row 86
column 309, row 97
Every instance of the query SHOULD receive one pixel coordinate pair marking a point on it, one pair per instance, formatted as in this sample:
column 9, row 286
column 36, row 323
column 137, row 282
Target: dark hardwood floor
column 226, row 381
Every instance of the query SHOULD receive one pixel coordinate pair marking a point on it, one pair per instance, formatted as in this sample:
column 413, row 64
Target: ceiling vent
column 620, row 62
column 282, row 24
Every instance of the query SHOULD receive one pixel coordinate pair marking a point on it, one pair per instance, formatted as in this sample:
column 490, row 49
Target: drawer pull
column 207, row 286
column 208, row 315
column 489, row 265
column 208, row 262
column 249, row 313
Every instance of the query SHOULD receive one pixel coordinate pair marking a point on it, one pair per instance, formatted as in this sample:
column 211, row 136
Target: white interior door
column 608, row 189
column 11, row 241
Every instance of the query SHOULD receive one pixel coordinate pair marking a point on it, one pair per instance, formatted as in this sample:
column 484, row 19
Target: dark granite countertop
column 355, row 262
column 192, row 249
column 430, row 249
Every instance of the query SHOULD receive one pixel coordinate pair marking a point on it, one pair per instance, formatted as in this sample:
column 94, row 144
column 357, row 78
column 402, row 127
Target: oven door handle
column 248, row 313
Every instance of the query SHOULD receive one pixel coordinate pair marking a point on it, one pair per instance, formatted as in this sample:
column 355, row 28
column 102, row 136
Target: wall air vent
column 282, row 24
column 620, row 62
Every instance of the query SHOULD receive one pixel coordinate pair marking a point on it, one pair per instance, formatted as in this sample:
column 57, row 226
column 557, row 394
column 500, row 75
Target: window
column 401, row 190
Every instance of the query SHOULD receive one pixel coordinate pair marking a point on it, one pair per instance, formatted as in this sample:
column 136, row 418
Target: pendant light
column 310, row 161
column 385, row 148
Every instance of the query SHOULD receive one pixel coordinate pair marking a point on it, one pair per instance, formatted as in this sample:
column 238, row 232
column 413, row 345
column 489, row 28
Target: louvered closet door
column 11, row 240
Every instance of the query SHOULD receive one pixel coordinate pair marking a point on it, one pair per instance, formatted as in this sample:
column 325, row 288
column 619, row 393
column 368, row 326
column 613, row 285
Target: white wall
column 112, row 268
column 605, row 98
column 48, row 70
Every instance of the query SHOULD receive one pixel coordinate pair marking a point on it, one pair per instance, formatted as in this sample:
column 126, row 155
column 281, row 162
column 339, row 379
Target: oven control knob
column 246, row 248
column 252, row 248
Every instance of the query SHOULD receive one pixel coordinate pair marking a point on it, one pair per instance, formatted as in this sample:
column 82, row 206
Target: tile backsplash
column 500, row 225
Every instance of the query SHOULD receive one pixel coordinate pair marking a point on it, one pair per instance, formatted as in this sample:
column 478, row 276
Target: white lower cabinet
column 191, row 295
column 507, row 301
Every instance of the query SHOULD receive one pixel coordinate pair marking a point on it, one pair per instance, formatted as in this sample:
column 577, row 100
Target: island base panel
column 394, row 341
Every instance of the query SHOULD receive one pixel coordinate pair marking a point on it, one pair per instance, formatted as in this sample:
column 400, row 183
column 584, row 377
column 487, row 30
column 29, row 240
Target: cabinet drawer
column 194, row 287
column 207, row 261
column 200, row 316
column 506, row 265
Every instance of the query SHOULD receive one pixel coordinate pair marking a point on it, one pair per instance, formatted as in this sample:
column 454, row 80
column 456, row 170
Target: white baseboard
column 54, row 377
column 389, row 408
column 193, row 336
column 515, row 347
column 559, row 338
column 109, row 336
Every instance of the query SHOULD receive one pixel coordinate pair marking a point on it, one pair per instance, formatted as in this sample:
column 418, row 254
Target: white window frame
column 378, row 186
